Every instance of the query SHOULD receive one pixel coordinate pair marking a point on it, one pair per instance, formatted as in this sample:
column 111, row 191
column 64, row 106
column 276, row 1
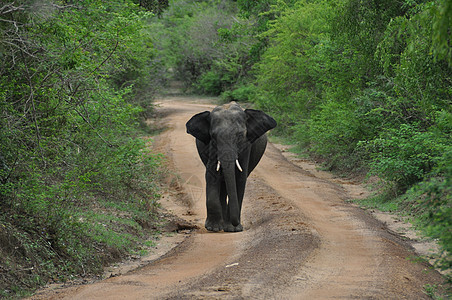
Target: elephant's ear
column 257, row 124
column 199, row 126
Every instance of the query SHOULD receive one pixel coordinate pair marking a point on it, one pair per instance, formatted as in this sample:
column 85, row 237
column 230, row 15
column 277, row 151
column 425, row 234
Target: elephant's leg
column 223, row 202
column 228, row 227
column 214, row 221
column 240, row 183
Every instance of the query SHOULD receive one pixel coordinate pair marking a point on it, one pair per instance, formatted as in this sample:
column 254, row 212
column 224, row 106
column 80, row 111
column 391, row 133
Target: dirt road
column 301, row 239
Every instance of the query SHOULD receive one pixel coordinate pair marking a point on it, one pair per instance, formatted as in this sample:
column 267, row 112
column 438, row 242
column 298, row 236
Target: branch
column 94, row 129
column 10, row 8
column 97, row 68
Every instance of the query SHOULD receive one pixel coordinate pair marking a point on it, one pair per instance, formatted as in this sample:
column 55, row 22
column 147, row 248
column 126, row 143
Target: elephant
column 230, row 142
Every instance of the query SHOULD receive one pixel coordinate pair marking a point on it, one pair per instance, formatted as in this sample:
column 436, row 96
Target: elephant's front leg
column 214, row 221
column 241, row 182
column 224, row 204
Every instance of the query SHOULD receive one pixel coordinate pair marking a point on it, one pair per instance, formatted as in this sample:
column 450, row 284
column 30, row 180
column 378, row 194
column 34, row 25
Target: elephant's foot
column 231, row 228
column 213, row 226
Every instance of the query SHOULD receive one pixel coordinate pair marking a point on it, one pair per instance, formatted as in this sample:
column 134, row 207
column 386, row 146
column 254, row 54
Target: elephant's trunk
column 231, row 188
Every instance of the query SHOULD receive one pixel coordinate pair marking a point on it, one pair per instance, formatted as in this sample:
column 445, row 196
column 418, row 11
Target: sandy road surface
column 301, row 240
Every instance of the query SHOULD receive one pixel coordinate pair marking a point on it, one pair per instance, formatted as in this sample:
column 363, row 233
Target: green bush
column 210, row 83
column 72, row 85
column 405, row 156
column 333, row 131
column 205, row 45
column 242, row 93
column 428, row 203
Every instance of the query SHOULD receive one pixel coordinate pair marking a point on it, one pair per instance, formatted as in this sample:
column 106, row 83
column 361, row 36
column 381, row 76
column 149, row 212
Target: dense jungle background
column 362, row 86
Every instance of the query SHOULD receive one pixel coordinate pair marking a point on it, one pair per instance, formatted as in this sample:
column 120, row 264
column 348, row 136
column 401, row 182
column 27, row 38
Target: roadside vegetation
column 364, row 87
column 78, row 186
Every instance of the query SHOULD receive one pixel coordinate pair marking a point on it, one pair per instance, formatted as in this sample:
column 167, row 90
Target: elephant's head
column 229, row 131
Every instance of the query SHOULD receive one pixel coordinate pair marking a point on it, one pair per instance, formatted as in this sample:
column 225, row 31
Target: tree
column 69, row 76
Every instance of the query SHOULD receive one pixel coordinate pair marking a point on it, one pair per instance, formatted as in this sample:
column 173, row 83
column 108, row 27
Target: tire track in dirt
column 357, row 258
column 301, row 239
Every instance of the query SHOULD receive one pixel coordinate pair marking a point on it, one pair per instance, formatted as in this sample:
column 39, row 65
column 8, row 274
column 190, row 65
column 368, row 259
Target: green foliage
column 249, row 8
column 155, row 6
column 333, row 134
column 432, row 89
column 365, row 86
column 74, row 80
column 428, row 203
column 431, row 199
column 286, row 68
column 261, row 14
column 404, row 156
column 359, row 25
column 208, row 47
column 291, row 73
column 242, row 93
column 442, row 22
column 210, row 83
column 203, row 45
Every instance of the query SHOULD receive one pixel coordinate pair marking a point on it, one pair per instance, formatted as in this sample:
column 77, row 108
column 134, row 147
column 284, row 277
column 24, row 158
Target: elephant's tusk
column 218, row 166
column 238, row 165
